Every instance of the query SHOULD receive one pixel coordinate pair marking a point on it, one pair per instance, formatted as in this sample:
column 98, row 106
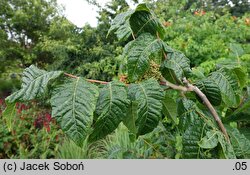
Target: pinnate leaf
column 187, row 114
column 148, row 95
column 121, row 25
column 228, row 84
column 239, row 142
column 227, row 148
column 210, row 140
column 8, row 114
column 34, row 84
column 111, row 109
column 138, row 21
column 211, row 90
column 73, row 105
column 170, row 108
column 138, row 53
column 177, row 63
column 143, row 20
column 191, row 139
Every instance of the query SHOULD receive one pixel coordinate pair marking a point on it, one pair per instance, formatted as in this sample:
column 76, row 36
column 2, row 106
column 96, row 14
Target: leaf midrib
column 229, row 84
column 74, row 101
column 146, row 97
column 141, row 53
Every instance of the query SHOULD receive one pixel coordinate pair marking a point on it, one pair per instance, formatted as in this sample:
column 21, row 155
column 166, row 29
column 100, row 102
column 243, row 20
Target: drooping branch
column 187, row 88
column 212, row 110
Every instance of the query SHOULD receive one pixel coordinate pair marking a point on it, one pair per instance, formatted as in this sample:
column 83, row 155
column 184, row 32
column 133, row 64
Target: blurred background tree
column 36, row 32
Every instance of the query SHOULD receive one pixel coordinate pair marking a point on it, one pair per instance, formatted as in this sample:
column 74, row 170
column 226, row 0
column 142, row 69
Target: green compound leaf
column 111, row 109
column 34, row 84
column 191, row 139
column 143, row 20
column 121, row 25
column 149, row 96
column 210, row 140
column 130, row 119
column 170, row 108
column 236, row 50
column 213, row 137
column 8, row 114
column 211, row 90
column 138, row 53
column 241, row 75
column 187, row 114
column 177, row 64
column 241, row 114
column 227, row 81
column 138, row 21
column 73, row 105
column 227, row 148
column 245, row 131
column 239, row 142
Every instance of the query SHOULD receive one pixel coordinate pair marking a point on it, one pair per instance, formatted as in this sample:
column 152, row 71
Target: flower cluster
column 43, row 120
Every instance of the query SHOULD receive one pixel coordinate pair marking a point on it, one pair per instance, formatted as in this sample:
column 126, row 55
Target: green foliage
column 187, row 114
column 32, row 134
column 121, row 25
column 21, row 24
column 148, row 95
column 131, row 117
column 178, row 66
column 157, row 144
column 9, row 114
column 204, row 37
column 178, row 8
column 213, row 139
column 209, row 141
column 34, row 84
column 88, row 113
column 227, row 148
column 240, row 143
column 227, row 81
column 72, row 111
column 241, row 114
column 138, row 54
column 111, row 108
column 211, row 90
column 135, row 22
column 143, row 20
column 191, row 138
column 169, row 108
column 69, row 150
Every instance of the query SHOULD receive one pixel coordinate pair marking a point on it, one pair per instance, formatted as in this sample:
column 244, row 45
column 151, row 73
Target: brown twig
column 133, row 35
column 97, row 81
column 89, row 80
column 70, row 75
column 165, row 55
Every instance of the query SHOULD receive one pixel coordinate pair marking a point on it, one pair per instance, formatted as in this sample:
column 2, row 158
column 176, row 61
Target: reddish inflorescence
column 43, row 120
